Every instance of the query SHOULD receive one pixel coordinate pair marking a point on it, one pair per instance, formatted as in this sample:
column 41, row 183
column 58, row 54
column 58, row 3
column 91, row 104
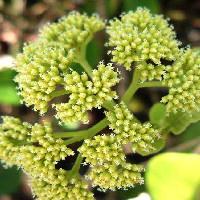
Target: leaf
column 173, row 122
column 152, row 5
column 193, row 131
column 173, row 176
column 9, row 180
column 157, row 114
column 111, row 7
column 178, row 122
column 93, row 53
column 131, row 192
column 8, row 91
column 158, row 145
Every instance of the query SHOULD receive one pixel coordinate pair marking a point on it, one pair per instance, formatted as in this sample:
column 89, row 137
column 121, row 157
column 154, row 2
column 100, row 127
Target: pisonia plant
column 146, row 46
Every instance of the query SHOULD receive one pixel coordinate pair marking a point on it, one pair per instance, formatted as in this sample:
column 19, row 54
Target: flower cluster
column 112, row 177
column 109, row 169
column 75, row 189
column 183, row 80
column 128, row 130
column 45, row 71
column 101, row 149
column 42, row 63
column 150, row 72
column 86, row 94
column 141, row 36
column 36, row 151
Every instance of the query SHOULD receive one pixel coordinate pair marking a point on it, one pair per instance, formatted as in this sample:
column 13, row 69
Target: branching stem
column 86, row 66
column 152, row 84
column 58, row 93
column 75, row 169
column 77, row 136
column 133, row 87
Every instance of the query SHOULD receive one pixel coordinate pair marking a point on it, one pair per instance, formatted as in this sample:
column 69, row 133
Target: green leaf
column 93, row 53
column 158, row 145
column 111, row 7
column 178, row 122
column 152, row 5
column 8, row 91
column 157, row 114
column 9, row 180
column 174, row 176
column 8, row 94
column 173, row 122
column 131, row 192
column 192, row 132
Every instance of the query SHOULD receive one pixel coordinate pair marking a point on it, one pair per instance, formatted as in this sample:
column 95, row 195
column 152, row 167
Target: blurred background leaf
column 192, row 132
column 8, row 91
column 152, row 5
column 10, row 180
column 174, row 176
column 131, row 192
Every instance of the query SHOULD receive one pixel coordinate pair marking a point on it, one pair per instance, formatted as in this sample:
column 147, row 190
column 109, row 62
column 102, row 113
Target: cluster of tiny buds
column 128, row 130
column 42, row 63
column 137, row 38
column 109, row 169
column 86, row 94
column 183, row 80
column 36, row 151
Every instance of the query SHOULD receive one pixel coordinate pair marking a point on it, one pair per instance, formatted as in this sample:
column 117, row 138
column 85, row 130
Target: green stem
column 75, row 169
column 81, row 59
column 69, row 134
column 109, row 105
column 152, row 84
column 73, row 140
column 133, row 87
column 86, row 66
column 97, row 128
column 58, row 93
column 85, row 134
column 19, row 142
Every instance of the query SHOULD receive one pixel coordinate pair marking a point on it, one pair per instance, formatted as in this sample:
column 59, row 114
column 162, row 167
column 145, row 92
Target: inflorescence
column 139, row 41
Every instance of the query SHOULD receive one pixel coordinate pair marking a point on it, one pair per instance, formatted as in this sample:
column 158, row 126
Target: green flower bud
column 112, row 177
column 41, row 65
column 141, row 36
column 32, row 148
column 101, row 149
column 127, row 130
column 150, row 72
column 183, row 81
column 73, row 30
column 75, row 189
column 86, row 94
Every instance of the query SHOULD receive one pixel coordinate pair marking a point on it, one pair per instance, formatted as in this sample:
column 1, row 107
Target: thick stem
column 58, row 93
column 86, row 66
column 133, row 87
column 69, row 134
column 73, row 140
column 97, row 127
column 152, row 84
column 109, row 105
column 75, row 169
column 81, row 59
column 85, row 134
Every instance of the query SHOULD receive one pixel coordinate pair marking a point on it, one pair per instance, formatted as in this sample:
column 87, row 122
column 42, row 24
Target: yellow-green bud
column 128, row 130
column 141, row 36
column 183, row 80
column 86, row 94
